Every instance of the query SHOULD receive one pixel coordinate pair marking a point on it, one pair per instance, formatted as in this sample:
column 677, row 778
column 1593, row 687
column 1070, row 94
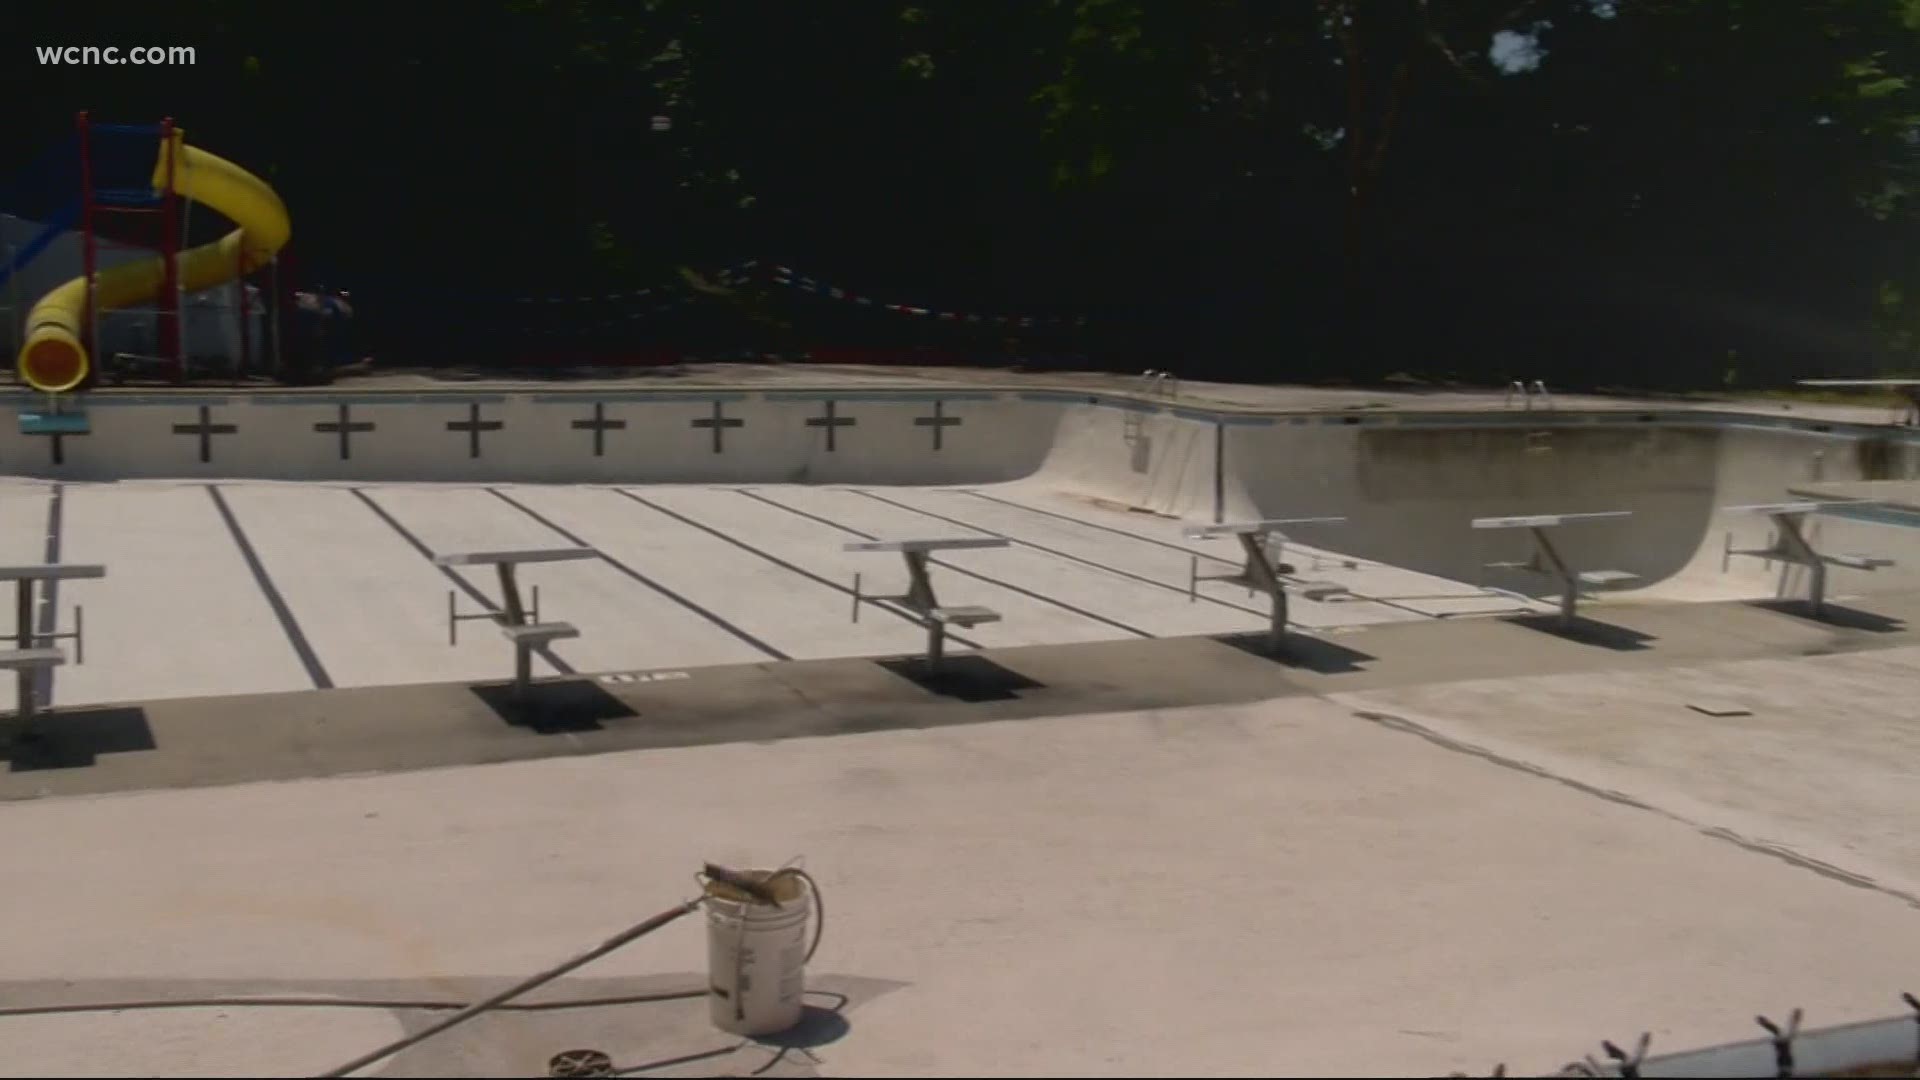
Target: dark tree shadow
column 75, row 738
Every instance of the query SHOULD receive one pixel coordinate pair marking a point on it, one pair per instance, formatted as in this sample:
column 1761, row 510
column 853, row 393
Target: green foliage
column 1353, row 179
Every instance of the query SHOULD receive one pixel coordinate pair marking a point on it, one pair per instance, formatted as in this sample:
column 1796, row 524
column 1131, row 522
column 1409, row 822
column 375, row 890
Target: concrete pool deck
column 277, row 820
column 1417, row 849
column 1294, row 885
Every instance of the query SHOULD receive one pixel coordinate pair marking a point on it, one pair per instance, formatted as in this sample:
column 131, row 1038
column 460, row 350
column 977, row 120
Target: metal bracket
column 77, row 635
column 1546, row 562
column 1629, row 1064
column 1790, row 543
column 455, row 617
column 1914, row 1004
column 1782, row 1042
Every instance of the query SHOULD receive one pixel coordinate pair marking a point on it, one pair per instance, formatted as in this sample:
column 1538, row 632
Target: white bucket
column 757, row 954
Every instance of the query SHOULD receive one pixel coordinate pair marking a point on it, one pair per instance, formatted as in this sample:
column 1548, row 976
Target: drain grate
column 580, row 1063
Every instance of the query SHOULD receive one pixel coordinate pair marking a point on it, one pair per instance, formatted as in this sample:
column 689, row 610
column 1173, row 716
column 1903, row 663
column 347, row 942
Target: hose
column 624, row 937
column 311, row 1002
column 468, row 1010
column 819, row 906
column 762, row 891
column 758, row 890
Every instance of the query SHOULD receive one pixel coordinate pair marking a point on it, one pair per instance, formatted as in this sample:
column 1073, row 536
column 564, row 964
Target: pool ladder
column 1156, row 383
column 1527, row 392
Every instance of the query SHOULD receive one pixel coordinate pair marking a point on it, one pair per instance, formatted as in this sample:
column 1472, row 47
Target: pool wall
column 1408, row 483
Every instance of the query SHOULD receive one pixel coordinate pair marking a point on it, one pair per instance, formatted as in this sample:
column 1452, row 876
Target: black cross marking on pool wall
column 473, row 426
column 719, row 423
column 599, row 425
column 830, row 422
column 937, row 421
column 206, row 429
column 345, row 426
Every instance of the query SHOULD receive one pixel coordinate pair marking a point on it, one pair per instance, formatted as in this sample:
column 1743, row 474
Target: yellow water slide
column 54, row 360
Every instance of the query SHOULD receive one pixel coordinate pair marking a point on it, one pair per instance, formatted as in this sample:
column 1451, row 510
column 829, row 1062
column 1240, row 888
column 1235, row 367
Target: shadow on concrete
column 819, row 1024
column 1315, row 654
column 555, row 707
column 791, row 1050
column 75, row 738
column 963, row 678
column 1845, row 618
column 1585, row 631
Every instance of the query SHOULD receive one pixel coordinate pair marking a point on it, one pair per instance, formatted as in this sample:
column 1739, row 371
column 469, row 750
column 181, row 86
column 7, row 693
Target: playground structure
column 61, row 338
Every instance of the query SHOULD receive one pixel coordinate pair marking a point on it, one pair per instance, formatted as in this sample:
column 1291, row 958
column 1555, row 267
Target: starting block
column 39, row 423
column 1262, row 542
column 1790, row 544
column 57, row 416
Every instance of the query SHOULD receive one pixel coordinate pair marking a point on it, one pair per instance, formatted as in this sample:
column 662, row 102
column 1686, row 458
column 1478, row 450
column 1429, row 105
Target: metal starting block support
column 34, row 651
column 1546, row 558
column 455, row 616
column 1263, row 544
column 918, row 602
column 518, row 624
column 1790, row 545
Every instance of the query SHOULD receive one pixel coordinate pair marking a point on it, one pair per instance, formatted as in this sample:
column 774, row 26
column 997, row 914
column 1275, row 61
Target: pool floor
column 251, row 587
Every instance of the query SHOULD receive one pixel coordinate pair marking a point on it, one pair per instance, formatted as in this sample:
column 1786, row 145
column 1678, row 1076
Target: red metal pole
column 172, row 336
column 86, row 237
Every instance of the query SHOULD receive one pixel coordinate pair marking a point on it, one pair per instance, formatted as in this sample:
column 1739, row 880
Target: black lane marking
column 644, row 580
column 1397, row 602
column 545, row 651
column 1042, row 597
column 776, row 560
column 1715, row 832
column 1103, row 528
column 316, row 672
column 47, row 619
column 1065, row 555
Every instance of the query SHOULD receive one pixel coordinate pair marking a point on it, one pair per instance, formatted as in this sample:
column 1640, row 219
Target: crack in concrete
column 1716, row 832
